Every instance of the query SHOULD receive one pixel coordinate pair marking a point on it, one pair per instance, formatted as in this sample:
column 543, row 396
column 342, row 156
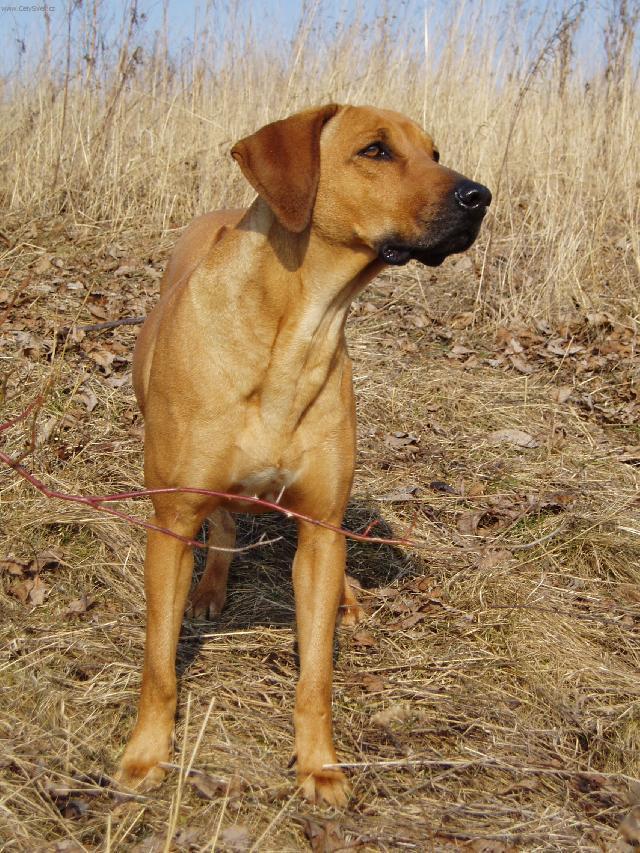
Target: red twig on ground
column 96, row 502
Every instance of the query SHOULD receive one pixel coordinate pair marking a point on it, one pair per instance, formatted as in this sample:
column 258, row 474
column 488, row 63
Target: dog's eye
column 376, row 151
column 436, row 155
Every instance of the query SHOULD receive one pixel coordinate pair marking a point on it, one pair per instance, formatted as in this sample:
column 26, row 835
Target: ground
column 489, row 702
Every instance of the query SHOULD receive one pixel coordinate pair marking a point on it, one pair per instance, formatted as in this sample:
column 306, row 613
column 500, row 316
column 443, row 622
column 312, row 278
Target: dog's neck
column 322, row 273
column 317, row 282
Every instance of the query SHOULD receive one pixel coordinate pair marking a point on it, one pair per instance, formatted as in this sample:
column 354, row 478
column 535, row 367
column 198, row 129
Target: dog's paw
column 325, row 786
column 207, row 604
column 350, row 615
column 140, row 776
column 140, row 767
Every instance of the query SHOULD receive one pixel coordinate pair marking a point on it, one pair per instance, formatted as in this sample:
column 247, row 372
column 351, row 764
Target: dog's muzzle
column 453, row 232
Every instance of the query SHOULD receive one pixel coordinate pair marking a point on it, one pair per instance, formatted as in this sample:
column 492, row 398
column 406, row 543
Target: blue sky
column 22, row 26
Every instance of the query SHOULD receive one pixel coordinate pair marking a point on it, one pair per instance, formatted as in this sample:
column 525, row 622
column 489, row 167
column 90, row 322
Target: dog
column 244, row 380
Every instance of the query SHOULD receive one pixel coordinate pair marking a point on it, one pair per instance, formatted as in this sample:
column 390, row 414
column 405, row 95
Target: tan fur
column 243, row 376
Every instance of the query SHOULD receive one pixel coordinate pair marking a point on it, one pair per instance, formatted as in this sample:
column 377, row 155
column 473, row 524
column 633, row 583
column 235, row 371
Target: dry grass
column 491, row 701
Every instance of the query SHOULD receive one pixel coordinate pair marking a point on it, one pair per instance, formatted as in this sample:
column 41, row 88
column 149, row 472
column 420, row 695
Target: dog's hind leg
column 210, row 594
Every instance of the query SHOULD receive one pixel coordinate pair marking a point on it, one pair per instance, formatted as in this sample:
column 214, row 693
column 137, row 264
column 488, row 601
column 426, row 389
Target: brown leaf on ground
column 97, row 311
column 630, row 828
column 397, row 440
column 468, row 522
column 50, row 558
column 445, row 488
column 79, row 606
column 363, row 639
column 521, row 364
column 561, row 394
column 65, row 845
column 188, row 838
column 103, row 358
column 325, row 836
column 13, row 567
column 563, row 348
column 21, row 590
column 372, row 683
column 491, row 558
column 475, row 490
column 236, row 837
column 38, row 591
column 86, row 395
column 513, row 436
column 211, row 787
column 408, row 621
column 392, row 714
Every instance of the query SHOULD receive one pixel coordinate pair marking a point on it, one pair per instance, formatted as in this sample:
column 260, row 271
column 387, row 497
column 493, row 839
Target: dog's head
column 366, row 178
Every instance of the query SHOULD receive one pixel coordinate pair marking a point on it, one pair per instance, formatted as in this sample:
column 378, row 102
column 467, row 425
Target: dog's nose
column 472, row 196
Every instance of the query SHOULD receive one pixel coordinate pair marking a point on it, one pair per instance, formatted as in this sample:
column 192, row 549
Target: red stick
column 95, row 502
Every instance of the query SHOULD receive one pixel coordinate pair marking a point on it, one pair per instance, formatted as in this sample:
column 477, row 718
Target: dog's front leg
column 167, row 575
column 318, row 581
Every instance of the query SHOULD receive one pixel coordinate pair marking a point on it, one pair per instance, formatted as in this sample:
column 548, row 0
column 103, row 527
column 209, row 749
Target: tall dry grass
column 492, row 701
column 136, row 133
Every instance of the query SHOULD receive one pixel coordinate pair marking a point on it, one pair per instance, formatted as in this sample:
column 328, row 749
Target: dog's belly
column 269, row 483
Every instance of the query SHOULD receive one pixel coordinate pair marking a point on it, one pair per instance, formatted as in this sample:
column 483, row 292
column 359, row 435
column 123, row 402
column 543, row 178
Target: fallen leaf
column 103, row 358
column 468, row 522
column 211, row 787
column 561, row 394
column 600, row 318
column 459, row 349
column 372, row 683
column 79, row 606
column 521, row 364
column 188, row 837
column 407, row 494
column 42, row 265
column 439, row 486
column 363, row 639
column 325, row 836
column 38, row 591
column 66, row 845
column 97, row 311
column 125, row 269
column 489, row 845
column 396, row 440
column 44, row 430
column 532, row 784
column 629, row 829
column 236, row 837
column 559, row 346
column 475, row 490
column 86, row 395
column 156, row 843
column 118, row 381
column 491, row 558
column 13, row 567
column 49, row 558
column 408, row 621
column 513, row 436
column 393, row 714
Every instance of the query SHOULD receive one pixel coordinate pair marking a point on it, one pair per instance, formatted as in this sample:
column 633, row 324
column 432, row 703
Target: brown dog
column 243, row 376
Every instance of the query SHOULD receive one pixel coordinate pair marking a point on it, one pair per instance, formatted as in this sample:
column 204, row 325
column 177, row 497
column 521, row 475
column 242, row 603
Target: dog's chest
column 269, row 483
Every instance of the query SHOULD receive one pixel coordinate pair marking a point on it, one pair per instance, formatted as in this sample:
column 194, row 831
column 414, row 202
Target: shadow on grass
column 260, row 592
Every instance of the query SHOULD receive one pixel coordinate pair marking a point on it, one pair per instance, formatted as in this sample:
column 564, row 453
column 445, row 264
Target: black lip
column 398, row 253
column 452, row 230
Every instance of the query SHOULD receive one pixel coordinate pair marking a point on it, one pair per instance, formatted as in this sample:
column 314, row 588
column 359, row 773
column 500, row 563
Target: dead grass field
column 491, row 702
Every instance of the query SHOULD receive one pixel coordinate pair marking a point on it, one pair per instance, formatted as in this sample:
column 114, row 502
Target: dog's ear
column 281, row 161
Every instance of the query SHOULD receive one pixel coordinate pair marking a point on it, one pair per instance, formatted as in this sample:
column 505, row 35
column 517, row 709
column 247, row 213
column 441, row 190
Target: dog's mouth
column 398, row 253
